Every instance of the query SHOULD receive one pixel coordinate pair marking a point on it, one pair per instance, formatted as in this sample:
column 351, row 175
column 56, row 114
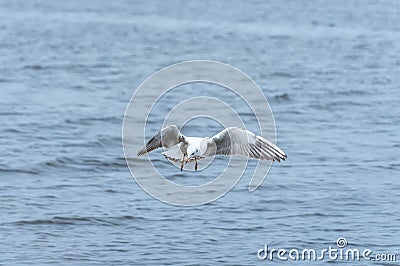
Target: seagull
column 229, row 142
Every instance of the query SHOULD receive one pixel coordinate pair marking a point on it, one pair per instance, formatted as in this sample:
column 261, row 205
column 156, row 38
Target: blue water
column 330, row 70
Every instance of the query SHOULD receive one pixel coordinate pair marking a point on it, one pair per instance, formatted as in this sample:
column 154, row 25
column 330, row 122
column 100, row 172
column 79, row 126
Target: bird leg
column 195, row 164
column 182, row 161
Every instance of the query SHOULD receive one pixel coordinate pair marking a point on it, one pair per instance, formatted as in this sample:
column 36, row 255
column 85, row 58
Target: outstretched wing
column 167, row 137
column 238, row 141
column 174, row 154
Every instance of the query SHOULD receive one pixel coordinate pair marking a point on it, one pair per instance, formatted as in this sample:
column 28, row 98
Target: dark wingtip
column 279, row 157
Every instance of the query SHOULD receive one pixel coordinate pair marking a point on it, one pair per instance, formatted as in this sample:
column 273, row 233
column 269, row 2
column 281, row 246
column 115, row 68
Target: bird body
column 230, row 142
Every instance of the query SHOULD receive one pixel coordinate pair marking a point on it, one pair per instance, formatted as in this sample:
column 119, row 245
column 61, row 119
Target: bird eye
column 192, row 153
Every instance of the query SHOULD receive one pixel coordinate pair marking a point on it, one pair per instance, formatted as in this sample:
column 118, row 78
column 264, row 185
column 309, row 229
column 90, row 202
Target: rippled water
column 330, row 71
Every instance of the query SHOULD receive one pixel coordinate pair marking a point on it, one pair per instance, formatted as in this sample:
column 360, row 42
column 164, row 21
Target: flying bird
column 230, row 141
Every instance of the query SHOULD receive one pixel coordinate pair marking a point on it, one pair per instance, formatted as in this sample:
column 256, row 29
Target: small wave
column 284, row 96
column 327, row 72
column 332, row 105
column 48, row 197
column 392, row 166
column 35, row 67
column 351, row 92
column 102, row 65
column 246, row 229
column 98, row 144
column 59, row 161
column 111, row 191
column 101, row 143
column 115, row 162
column 12, row 130
column 56, row 187
column 12, row 113
column 313, row 214
column 66, row 65
column 20, row 170
column 54, row 220
column 62, row 220
column 91, row 120
column 83, row 163
column 5, row 80
column 279, row 37
column 282, row 74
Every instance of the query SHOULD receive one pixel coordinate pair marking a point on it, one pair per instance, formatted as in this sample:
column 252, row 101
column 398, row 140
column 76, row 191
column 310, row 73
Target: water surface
column 68, row 69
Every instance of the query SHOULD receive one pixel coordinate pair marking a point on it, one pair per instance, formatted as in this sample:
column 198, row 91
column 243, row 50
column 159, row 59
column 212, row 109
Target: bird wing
column 238, row 141
column 174, row 154
column 167, row 137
